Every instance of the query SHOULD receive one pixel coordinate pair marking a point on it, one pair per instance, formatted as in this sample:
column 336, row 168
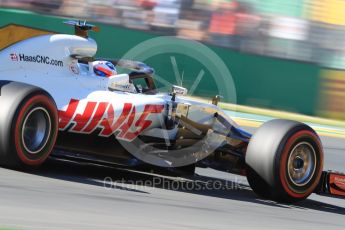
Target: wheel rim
column 302, row 164
column 36, row 130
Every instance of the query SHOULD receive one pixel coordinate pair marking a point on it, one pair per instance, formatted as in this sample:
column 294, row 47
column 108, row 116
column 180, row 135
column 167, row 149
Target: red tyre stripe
column 17, row 131
column 284, row 158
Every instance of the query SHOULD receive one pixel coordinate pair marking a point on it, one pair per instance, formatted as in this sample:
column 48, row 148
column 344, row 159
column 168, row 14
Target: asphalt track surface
column 65, row 195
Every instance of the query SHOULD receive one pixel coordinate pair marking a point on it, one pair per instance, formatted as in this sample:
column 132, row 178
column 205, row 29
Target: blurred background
column 307, row 33
column 305, row 30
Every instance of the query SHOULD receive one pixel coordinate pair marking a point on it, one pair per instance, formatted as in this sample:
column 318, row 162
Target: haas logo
column 14, row 57
column 127, row 125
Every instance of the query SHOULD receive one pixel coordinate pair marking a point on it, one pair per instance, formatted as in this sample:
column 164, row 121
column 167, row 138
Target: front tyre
column 284, row 160
column 28, row 130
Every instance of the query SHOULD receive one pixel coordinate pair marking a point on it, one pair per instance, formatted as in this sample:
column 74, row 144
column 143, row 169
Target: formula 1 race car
column 57, row 98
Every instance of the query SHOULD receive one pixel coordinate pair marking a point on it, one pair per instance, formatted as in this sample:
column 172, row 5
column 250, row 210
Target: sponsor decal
column 125, row 126
column 14, row 57
column 337, row 184
column 340, row 182
column 36, row 59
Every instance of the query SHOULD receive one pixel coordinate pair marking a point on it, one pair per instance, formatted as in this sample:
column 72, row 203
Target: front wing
column 332, row 184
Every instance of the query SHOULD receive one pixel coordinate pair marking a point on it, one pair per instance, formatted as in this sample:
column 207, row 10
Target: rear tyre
column 259, row 185
column 284, row 160
column 28, row 128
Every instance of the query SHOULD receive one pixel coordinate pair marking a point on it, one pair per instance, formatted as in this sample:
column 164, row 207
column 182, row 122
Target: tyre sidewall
column 283, row 184
column 13, row 96
column 267, row 155
column 39, row 99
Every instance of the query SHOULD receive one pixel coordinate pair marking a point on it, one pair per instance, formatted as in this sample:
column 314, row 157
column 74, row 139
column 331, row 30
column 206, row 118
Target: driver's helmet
column 104, row 68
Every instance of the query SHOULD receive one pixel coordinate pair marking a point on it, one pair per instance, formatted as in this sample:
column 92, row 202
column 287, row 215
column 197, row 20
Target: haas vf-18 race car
column 57, row 98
